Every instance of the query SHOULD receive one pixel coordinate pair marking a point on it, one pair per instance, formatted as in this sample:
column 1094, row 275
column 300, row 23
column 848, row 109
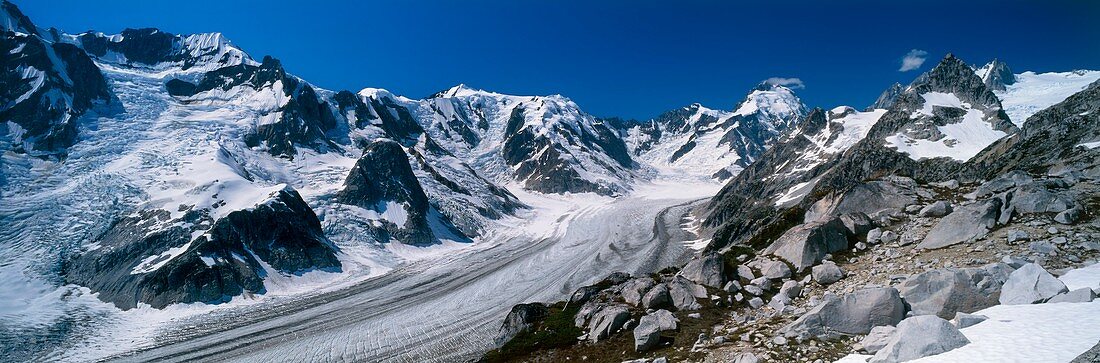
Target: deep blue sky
column 616, row 58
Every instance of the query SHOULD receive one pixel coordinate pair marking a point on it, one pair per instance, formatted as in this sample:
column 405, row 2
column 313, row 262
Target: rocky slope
column 944, row 118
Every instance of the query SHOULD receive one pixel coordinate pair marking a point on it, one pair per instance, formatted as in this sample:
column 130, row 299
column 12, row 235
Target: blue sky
column 616, row 58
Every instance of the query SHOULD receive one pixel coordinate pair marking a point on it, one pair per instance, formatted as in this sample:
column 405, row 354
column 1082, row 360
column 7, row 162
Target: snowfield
column 960, row 141
column 1033, row 92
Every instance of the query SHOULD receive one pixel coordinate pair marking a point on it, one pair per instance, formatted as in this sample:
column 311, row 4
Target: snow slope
column 959, row 140
column 1033, row 92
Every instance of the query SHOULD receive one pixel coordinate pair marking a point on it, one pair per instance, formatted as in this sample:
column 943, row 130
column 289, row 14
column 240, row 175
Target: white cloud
column 792, row 83
column 912, row 60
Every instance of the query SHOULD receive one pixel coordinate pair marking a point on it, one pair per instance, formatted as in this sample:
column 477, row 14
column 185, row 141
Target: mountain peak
column 996, row 75
column 13, row 20
column 458, row 90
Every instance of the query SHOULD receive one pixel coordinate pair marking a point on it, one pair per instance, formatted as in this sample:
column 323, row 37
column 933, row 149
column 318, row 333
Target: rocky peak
column 996, row 75
column 888, row 97
column 13, row 20
column 383, row 181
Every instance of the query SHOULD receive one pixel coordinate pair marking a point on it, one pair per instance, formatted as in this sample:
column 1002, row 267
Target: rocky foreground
column 891, row 270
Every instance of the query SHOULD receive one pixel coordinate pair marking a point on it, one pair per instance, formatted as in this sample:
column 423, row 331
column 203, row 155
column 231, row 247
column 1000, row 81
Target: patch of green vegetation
column 556, row 331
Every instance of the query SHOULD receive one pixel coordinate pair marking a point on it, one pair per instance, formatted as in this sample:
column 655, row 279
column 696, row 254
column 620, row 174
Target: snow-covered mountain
column 544, row 143
column 195, row 173
column 696, row 140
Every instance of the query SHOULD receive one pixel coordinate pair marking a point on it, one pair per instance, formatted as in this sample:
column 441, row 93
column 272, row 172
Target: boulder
column 657, row 298
column 648, row 332
column 1030, row 284
column 684, row 292
column 756, row 302
column 731, row 287
column 852, row 314
column 774, row 270
column 827, row 273
column 746, row 357
column 607, row 321
column 790, row 289
column 1082, row 295
column 633, row 290
column 964, row 320
column 520, row 319
column 1017, row 235
column 877, row 338
column 1068, row 216
column 857, row 224
column 1003, row 183
column 1042, row 247
column 874, row 236
column 709, row 270
column 944, row 292
column 745, row 273
column 1036, row 198
column 964, row 224
column 918, row 337
column 937, row 209
column 807, row 244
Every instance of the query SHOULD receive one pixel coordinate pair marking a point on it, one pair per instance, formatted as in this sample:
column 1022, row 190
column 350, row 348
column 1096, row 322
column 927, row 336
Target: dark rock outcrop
column 47, row 85
column 135, row 262
column 382, row 179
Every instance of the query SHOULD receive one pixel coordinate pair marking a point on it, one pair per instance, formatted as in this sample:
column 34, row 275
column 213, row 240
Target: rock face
column 382, row 181
column 918, row 337
column 709, row 270
column 996, row 76
column 519, row 320
column 806, row 244
column 648, row 332
column 852, row 314
column 944, row 292
column 47, row 85
column 965, row 223
column 137, row 263
column 1030, row 284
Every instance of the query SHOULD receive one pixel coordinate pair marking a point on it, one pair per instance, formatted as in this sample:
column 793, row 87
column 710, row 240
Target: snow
column 795, row 193
column 1090, row 145
column 1029, row 333
column 961, row 141
column 1088, row 276
column 1033, row 92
